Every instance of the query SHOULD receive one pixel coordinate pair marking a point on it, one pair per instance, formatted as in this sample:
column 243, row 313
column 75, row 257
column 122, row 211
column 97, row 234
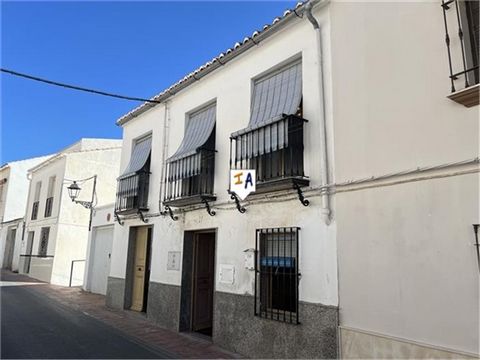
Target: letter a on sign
column 242, row 182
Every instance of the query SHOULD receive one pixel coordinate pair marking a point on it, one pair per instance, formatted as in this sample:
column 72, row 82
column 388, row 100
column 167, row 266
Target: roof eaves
column 240, row 47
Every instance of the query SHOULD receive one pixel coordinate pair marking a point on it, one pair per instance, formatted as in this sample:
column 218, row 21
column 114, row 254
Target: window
column 276, row 274
column 272, row 144
column 190, row 170
column 133, row 184
column 36, row 200
column 43, row 246
column 49, row 201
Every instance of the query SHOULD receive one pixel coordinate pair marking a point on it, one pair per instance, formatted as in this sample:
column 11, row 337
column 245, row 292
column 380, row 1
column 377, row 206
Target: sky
column 130, row 48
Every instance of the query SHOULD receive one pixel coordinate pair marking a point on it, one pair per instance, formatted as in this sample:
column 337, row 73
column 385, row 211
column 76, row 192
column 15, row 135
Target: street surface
column 36, row 326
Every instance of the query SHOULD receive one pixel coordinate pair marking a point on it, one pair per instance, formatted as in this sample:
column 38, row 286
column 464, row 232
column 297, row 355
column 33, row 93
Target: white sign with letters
column 242, row 182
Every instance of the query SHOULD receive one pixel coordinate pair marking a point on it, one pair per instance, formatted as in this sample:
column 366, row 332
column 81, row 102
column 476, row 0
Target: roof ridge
column 207, row 67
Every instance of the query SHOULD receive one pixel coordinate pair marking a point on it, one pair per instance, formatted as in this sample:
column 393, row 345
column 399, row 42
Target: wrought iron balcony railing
column 462, row 49
column 132, row 193
column 191, row 180
column 275, row 150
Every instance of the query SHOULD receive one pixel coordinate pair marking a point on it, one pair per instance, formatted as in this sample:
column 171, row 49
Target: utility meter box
column 249, row 259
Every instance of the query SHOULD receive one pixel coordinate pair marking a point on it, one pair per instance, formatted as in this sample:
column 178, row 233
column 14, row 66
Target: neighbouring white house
column 363, row 128
column 56, row 228
column 13, row 200
column 99, row 249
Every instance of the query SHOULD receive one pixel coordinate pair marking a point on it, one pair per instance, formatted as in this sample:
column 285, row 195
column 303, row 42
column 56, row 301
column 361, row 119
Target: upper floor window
column 190, row 170
column 461, row 19
column 133, row 184
column 36, row 200
column 50, row 192
column 43, row 246
column 272, row 144
column 277, row 275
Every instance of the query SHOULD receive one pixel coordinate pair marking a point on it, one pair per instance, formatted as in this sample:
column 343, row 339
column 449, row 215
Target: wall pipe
column 323, row 119
column 166, row 125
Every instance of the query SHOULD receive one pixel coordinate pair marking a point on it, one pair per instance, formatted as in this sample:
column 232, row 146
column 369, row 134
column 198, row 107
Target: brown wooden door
column 204, row 274
column 140, row 262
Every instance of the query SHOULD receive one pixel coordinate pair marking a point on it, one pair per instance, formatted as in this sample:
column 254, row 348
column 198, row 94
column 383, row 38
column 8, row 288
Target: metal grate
column 276, row 274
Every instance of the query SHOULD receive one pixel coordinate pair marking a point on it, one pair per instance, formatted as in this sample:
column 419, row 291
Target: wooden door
column 140, row 262
column 204, row 271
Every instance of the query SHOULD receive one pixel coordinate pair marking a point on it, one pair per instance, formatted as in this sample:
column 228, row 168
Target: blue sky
column 131, row 48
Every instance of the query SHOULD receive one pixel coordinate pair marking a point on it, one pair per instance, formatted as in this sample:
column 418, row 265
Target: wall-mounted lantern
column 74, row 191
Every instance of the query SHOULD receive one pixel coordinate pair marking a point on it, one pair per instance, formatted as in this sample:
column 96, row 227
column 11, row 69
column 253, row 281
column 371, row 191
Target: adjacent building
column 358, row 240
column 13, row 200
column 56, row 228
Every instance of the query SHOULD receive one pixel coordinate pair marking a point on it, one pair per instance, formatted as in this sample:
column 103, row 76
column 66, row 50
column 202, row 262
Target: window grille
column 42, row 249
column 48, row 206
column 276, row 274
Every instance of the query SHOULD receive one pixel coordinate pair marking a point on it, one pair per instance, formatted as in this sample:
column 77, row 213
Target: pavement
column 40, row 320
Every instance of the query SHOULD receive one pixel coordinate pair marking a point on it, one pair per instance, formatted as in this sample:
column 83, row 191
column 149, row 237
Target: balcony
column 35, row 210
column 275, row 150
column 132, row 193
column 189, row 181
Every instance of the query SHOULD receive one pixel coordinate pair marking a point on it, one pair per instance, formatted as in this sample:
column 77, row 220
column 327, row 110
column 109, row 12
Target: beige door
column 139, row 268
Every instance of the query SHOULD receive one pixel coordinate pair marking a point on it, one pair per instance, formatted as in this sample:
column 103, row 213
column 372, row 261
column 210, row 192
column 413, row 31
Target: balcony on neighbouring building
column 462, row 19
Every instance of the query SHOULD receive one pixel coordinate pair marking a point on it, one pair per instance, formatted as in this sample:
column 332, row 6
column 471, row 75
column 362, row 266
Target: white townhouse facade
column 54, row 246
column 13, row 200
column 358, row 240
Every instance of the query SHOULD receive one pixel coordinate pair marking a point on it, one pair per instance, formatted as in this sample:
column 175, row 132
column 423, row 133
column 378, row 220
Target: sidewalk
column 132, row 324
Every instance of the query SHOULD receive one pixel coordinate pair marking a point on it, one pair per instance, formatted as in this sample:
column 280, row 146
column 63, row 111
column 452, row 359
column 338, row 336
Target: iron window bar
column 277, row 274
column 473, row 37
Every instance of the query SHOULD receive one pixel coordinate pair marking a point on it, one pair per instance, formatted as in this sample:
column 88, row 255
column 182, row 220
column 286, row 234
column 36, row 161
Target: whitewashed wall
column 406, row 265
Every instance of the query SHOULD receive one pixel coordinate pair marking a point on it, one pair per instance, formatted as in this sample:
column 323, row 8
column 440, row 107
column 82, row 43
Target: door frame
column 129, row 275
column 188, row 278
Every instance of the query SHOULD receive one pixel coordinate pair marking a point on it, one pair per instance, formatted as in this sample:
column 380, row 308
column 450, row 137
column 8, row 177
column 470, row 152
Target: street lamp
column 74, row 192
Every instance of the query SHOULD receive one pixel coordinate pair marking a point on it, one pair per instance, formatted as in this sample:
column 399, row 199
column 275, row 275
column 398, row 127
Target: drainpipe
column 323, row 126
column 166, row 125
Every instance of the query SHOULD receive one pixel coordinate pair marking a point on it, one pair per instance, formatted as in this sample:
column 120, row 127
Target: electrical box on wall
column 249, row 259
column 227, row 274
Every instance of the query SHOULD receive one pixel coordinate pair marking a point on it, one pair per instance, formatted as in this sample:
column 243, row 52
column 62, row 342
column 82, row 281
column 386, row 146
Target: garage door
column 101, row 249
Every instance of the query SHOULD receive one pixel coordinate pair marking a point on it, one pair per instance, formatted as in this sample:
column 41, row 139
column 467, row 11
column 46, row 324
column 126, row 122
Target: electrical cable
column 79, row 88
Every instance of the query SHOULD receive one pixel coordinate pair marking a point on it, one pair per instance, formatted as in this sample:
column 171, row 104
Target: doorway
column 140, row 254
column 9, row 248
column 198, row 282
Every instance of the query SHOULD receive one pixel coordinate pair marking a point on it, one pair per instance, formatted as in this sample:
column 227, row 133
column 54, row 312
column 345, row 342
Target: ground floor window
column 276, row 274
column 42, row 248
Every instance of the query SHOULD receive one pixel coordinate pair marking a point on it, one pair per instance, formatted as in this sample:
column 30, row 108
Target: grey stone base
column 237, row 329
column 164, row 305
column 115, row 297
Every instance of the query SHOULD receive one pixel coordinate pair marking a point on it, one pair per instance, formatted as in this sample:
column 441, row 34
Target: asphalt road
column 35, row 326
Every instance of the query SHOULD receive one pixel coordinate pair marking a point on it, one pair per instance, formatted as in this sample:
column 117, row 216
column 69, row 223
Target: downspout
column 323, row 121
column 166, row 125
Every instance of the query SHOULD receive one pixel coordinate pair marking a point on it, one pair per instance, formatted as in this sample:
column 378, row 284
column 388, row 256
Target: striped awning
column 185, row 161
column 273, row 97
column 138, row 159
